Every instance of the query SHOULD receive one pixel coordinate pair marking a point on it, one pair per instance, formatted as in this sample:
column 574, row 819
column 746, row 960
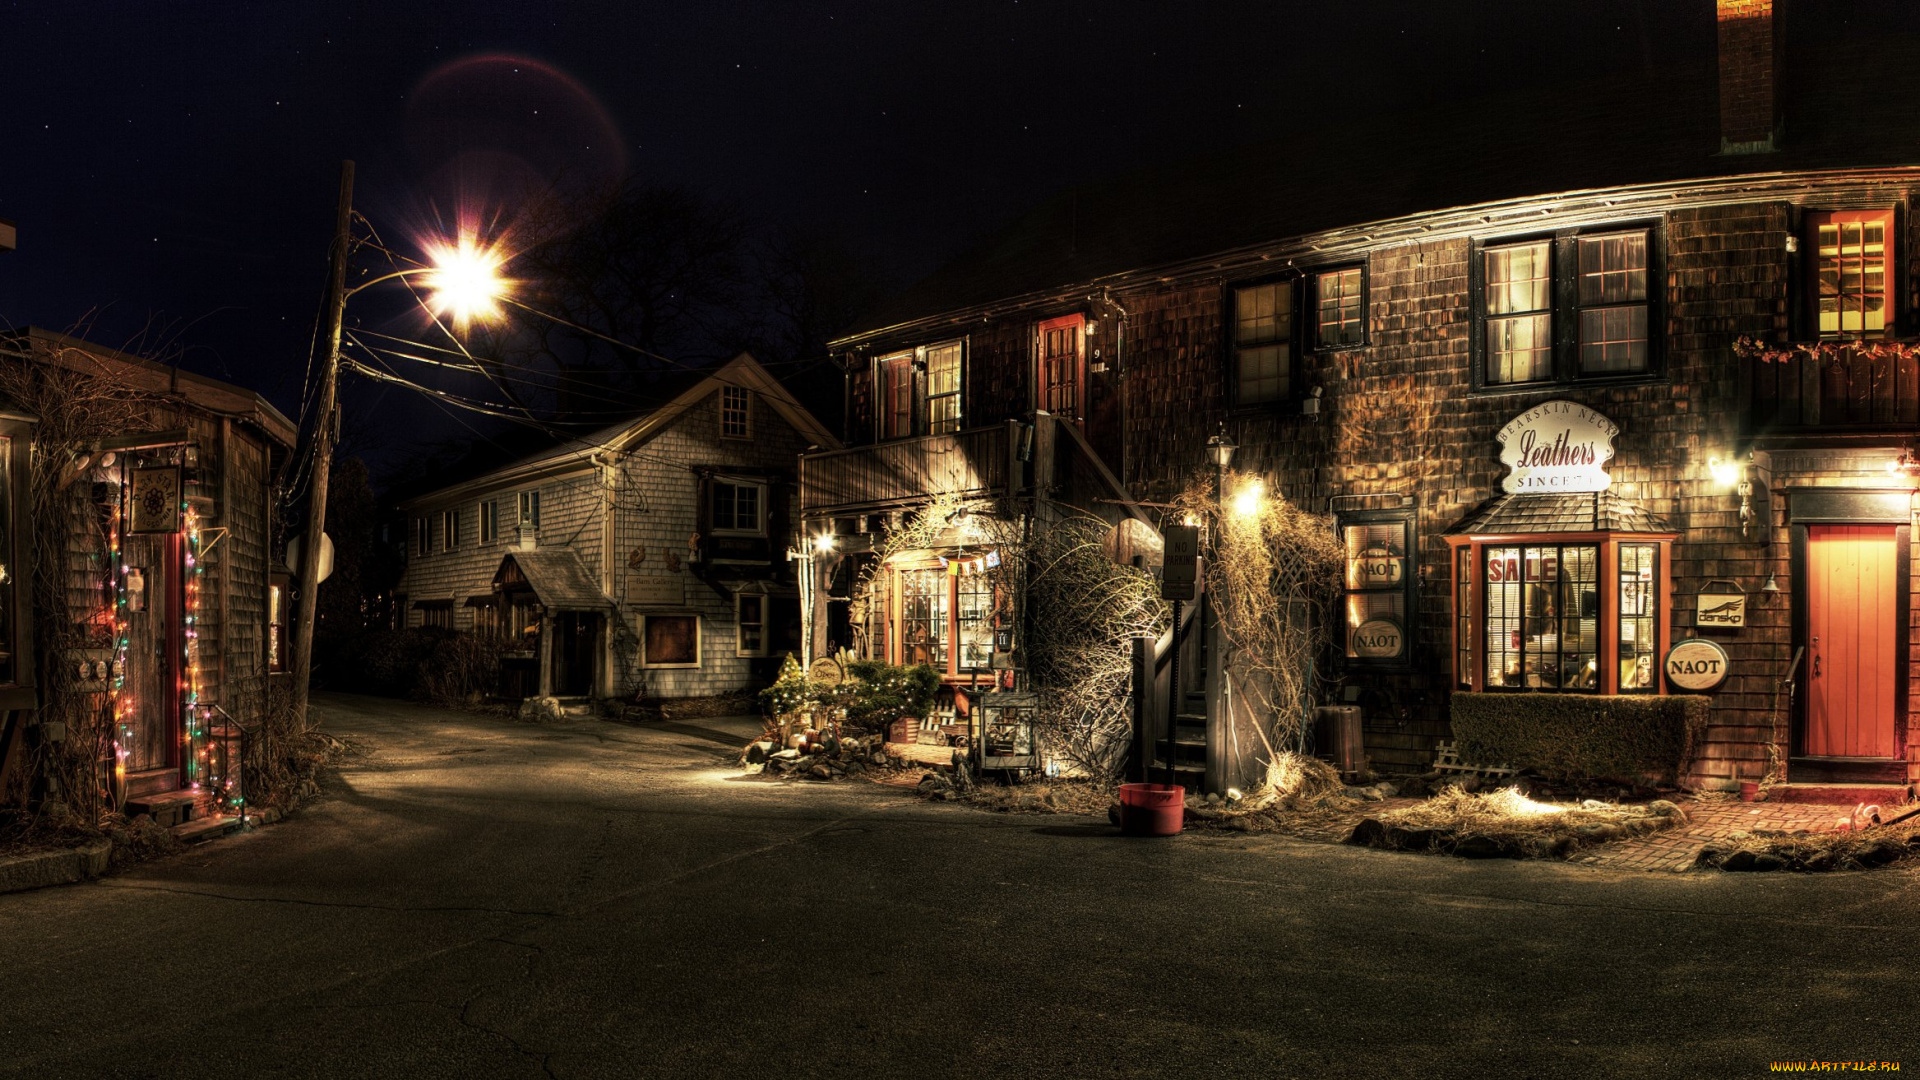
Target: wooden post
column 546, row 654
column 309, row 568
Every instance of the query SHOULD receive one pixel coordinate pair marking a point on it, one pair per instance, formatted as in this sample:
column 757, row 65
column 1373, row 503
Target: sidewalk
column 1678, row 850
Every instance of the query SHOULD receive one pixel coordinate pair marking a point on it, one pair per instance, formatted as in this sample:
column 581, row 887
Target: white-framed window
column 944, row 370
column 1262, row 343
column 670, row 641
column 736, row 412
column 489, row 520
column 750, row 624
column 422, row 539
column 530, row 508
column 449, row 530
column 739, row 507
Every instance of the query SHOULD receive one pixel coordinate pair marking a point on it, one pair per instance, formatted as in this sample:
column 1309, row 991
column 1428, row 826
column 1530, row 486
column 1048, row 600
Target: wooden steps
column 1885, row 796
column 168, row 808
column 201, row 830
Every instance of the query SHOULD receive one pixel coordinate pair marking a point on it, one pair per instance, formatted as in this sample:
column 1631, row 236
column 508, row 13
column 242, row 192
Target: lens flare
column 465, row 282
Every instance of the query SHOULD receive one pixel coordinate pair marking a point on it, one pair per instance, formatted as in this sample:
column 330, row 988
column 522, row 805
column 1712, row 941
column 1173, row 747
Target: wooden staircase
column 182, row 813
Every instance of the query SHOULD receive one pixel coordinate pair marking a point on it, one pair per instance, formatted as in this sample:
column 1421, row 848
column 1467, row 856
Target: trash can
column 1337, row 738
column 1152, row 809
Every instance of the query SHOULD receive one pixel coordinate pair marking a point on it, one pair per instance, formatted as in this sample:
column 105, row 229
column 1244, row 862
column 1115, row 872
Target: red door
column 1063, row 372
column 1852, row 674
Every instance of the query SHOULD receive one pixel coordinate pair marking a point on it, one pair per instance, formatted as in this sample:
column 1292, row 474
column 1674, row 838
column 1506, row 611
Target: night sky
column 172, row 167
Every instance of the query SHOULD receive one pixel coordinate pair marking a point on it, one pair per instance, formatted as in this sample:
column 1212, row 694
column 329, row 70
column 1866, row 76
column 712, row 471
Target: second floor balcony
column 976, row 463
column 1833, row 387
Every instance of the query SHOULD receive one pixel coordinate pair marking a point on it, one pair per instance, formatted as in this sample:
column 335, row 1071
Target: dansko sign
column 1555, row 447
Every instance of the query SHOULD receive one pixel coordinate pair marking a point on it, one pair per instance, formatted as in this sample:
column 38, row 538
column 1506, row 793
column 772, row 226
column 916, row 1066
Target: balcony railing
column 1835, row 388
column 968, row 463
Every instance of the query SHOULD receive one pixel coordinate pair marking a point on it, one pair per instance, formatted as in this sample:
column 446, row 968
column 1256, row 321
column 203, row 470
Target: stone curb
column 43, row 868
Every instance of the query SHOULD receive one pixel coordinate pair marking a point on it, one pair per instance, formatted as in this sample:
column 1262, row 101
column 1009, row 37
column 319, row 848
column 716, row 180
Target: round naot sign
column 1377, row 639
column 1696, row 664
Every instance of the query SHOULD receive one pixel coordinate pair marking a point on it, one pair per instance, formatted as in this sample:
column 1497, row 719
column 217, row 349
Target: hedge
column 1633, row 739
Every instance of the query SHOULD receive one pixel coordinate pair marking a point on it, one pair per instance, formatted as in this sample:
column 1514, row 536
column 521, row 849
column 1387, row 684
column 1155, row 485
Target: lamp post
column 1221, row 449
column 465, row 285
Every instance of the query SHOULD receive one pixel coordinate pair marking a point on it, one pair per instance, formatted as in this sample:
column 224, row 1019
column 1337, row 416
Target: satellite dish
column 326, row 555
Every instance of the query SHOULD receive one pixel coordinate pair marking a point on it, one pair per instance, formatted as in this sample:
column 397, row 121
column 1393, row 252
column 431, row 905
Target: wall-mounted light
column 1738, row 475
column 1310, row 405
column 1092, row 327
column 1726, row 472
column 1772, row 585
column 1220, row 449
column 823, row 543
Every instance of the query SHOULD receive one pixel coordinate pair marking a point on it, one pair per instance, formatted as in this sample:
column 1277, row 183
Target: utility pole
column 309, row 568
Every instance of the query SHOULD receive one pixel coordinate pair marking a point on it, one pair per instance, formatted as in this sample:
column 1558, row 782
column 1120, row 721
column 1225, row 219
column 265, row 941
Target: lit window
column 737, row 507
column 923, row 617
column 1543, row 608
column 1341, row 302
column 1379, row 587
column 943, row 388
column 973, row 618
column 489, row 521
column 736, row 405
column 1262, row 342
column 1639, row 617
column 1851, row 253
column 1519, row 324
column 1613, row 303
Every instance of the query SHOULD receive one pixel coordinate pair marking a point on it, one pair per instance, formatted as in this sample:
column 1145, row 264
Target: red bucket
column 1152, row 809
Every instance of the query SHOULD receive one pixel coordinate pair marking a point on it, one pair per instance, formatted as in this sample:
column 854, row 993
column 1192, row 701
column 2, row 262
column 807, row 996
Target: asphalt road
column 477, row 898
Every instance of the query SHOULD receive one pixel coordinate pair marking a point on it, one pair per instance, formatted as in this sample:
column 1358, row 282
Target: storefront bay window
column 1581, row 613
column 944, row 613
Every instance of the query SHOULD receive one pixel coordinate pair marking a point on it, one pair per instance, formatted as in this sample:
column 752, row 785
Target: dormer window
column 736, row 412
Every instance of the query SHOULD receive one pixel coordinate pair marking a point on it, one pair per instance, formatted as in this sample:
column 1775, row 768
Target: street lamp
column 1222, row 448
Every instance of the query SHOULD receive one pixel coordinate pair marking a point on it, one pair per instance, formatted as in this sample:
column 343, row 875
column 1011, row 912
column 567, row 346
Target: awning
column 556, row 577
column 482, row 600
column 1583, row 512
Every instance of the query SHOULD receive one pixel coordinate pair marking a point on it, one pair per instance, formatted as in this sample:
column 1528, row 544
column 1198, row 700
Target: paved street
column 476, row 898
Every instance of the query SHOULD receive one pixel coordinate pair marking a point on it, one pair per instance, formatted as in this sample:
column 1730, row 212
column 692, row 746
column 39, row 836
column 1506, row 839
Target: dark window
column 436, row 614
column 449, row 530
column 671, row 640
column 530, row 508
column 1262, row 343
column 1852, row 255
column 486, row 620
column 736, row 405
column 489, row 521
column 422, row 540
column 943, row 388
column 276, row 627
column 1340, row 307
column 737, row 506
column 750, row 624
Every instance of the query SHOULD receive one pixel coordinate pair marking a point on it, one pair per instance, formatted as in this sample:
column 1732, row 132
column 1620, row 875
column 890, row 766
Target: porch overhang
column 1581, row 512
column 558, row 579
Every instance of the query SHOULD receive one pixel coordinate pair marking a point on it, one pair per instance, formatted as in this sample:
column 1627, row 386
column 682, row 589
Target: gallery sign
column 1556, row 447
column 1696, row 664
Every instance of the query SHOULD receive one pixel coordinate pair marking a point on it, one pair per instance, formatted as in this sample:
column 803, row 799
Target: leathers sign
column 1557, row 447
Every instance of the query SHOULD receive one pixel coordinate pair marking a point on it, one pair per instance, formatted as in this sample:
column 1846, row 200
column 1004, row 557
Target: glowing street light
column 1246, row 502
column 465, row 280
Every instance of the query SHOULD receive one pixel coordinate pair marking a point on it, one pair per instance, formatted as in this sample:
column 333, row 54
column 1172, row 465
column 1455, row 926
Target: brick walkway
column 1678, row 850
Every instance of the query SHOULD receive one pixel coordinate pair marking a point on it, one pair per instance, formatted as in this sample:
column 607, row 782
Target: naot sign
column 1555, row 447
column 1379, row 638
column 1696, row 664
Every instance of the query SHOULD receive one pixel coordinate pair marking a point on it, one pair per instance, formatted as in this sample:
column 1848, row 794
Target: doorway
column 154, row 644
column 576, row 644
column 1854, row 615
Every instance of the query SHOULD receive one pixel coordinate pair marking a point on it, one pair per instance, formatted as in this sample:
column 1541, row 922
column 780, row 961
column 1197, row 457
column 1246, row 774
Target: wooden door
column 576, row 644
column 153, row 650
column 1852, row 634
column 1063, row 372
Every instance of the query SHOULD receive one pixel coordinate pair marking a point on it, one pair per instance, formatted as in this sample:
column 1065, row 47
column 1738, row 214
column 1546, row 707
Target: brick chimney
column 1750, row 52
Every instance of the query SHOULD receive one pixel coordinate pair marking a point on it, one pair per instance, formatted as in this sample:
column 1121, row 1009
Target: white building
column 645, row 560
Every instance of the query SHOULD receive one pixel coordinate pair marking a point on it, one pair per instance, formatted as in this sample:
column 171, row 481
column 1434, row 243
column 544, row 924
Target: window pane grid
column 733, row 412
column 1852, row 276
column 1639, row 616
column 974, row 613
column 1542, row 608
column 1340, row 302
column 1463, row 616
column 923, row 618
column 1519, row 332
column 943, row 389
column 1262, row 337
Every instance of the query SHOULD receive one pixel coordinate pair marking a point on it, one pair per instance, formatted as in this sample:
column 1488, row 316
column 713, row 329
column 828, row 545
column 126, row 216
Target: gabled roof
column 210, row 395
column 574, row 452
column 1856, row 106
column 1583, row 512
column 557, row 577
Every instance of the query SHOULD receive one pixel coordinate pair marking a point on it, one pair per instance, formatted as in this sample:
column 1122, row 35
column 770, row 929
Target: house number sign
column 1556, row 447
column 1696, row 664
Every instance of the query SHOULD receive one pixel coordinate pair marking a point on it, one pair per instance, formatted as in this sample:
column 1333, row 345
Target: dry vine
column 1274, row 578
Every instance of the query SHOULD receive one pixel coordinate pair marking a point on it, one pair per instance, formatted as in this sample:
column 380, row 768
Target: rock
column 878, row 759
column 1594, row 804
column 820, row 772
column 1370, row 832
column 855, row 766
column 542, row 710
column 759, row 752
column 1365, row 794
column 1387, row 789
column 1482, row 847
column 1414, row 788
column 1415, row 839
column 1113, row 814
column 788, row 754
column 1213, row 798
column 1240, row 824
column 754, row 768
column 1767, row 861
column 1739, row 862
column 1879, row 853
